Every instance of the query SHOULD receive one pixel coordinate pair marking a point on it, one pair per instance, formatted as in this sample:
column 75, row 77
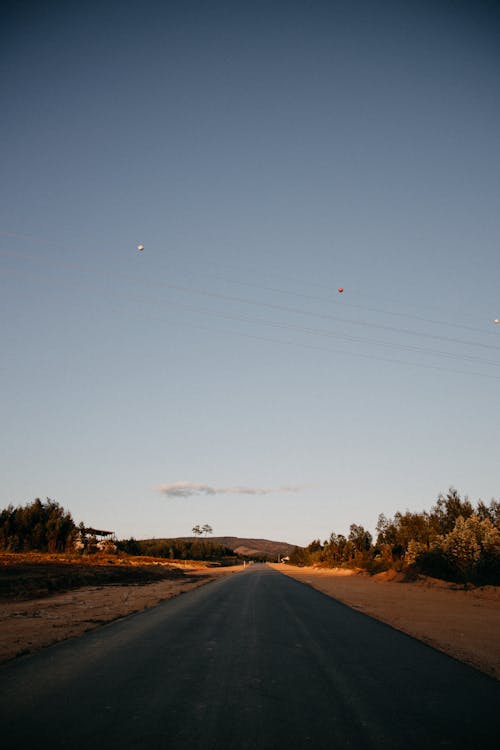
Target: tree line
column 454, row 541
column 45, row 526
column 178, row 549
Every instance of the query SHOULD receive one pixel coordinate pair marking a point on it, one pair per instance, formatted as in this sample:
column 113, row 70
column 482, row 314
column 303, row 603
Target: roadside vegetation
column 179, row 549
column 42, row 526
column 28, row 575
column 454, row 541
column 48, row 528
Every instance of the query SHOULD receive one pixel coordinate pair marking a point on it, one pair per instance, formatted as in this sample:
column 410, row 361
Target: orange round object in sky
column 340, row 289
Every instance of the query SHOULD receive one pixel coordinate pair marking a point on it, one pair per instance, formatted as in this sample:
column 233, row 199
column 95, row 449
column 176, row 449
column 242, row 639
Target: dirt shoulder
column 463, row 623
column 29, row 623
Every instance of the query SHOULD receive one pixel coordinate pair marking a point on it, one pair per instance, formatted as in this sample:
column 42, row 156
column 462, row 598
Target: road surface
column 255, row 661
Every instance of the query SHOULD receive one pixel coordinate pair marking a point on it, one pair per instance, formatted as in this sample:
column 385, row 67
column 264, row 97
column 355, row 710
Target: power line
column 349, row 354
column 334, row 334
column 301, row 295
column 274, row 306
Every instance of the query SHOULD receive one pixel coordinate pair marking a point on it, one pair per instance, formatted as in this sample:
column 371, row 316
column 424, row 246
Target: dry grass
column 48, row 598
column 24, row 576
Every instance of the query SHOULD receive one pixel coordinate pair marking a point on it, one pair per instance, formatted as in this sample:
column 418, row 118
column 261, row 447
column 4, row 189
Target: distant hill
column 245, row 547
column 255, row 547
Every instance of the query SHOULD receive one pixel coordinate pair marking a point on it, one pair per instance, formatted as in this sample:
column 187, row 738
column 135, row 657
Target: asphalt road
column 256, row 661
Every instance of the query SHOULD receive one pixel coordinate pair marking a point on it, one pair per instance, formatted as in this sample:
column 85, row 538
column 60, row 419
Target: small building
column 92, row 540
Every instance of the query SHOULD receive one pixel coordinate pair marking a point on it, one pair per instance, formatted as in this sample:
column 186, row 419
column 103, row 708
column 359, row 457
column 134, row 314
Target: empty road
column 255, row 661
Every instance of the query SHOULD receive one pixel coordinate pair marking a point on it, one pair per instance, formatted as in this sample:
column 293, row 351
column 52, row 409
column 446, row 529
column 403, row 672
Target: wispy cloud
column 188, row 489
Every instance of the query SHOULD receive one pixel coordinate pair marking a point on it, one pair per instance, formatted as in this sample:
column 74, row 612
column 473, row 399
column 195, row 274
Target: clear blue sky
column 264, row 153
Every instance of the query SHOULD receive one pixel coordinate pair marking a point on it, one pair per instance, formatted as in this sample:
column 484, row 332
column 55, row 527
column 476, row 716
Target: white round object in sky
column 140, row 247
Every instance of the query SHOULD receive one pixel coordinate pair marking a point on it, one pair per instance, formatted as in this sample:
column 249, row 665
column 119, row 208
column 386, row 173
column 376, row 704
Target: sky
column 264, row 154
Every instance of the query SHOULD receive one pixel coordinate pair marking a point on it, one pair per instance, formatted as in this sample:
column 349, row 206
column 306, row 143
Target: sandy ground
column 26, row 626
column 463, row 623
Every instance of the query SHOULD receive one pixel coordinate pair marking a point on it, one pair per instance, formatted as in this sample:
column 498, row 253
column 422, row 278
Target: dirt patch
column 26, row 580
column 463, row 623
column 46, row 601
